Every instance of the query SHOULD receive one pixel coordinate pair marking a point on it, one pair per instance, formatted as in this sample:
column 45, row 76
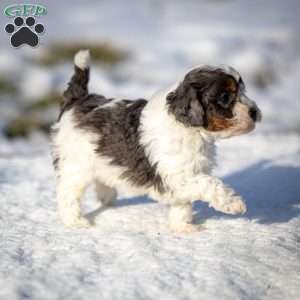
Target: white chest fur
column 178, row 152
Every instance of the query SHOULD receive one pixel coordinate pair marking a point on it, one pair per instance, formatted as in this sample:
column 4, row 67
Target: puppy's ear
column 185, row 106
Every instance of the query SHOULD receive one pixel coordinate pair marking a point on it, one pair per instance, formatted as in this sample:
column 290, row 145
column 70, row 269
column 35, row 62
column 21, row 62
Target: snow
column 130, row 252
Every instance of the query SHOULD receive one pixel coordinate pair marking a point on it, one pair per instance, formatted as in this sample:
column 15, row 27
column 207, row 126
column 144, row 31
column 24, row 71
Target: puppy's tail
column 78, row 85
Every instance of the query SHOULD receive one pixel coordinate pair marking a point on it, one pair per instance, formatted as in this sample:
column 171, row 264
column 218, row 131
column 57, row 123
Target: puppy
column 164, row 147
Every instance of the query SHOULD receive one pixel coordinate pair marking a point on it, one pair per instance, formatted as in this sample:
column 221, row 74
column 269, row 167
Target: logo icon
column 24, row 29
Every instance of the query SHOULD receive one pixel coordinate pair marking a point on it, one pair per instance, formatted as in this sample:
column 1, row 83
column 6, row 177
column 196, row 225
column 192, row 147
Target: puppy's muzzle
column 253, row 113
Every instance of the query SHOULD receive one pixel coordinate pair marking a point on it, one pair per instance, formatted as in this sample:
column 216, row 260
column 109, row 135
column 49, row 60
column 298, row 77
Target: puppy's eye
column 226, row 99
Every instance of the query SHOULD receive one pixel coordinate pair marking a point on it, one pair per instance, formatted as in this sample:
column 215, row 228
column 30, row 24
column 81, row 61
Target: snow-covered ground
column 130, row 253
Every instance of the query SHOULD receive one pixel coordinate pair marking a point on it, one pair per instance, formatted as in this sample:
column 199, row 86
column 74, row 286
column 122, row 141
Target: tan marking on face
column 231, row 85
column 241, row 124
column 218, row 124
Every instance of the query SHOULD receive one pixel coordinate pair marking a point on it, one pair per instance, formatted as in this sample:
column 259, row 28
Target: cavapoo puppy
column 164, row 147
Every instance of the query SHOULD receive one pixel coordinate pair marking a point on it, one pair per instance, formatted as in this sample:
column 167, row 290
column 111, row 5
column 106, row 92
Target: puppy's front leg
column 181, row 217
column 212, row 190
column 221, row 197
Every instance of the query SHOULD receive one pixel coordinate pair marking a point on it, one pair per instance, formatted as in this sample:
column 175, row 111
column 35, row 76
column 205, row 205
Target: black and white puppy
column 164, row 147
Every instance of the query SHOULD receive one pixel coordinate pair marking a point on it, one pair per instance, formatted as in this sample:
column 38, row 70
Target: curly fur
column 164, row 147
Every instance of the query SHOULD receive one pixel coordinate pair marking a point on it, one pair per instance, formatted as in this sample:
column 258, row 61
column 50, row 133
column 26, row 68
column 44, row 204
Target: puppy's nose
column 253, row 113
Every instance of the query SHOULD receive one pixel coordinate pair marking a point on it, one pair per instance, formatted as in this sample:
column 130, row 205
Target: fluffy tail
column 78, row 85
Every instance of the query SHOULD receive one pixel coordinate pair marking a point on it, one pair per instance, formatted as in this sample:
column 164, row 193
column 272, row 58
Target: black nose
column 253, row 113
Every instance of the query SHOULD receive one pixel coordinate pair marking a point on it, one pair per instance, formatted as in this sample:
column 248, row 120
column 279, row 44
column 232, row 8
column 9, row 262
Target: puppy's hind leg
column 105, row 194
column 69, row 192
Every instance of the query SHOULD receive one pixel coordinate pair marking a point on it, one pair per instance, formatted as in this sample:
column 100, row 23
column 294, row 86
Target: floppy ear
column 185, row 106
column 196, row 112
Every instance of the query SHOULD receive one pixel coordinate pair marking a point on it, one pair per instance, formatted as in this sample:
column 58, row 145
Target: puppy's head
column 214, row 99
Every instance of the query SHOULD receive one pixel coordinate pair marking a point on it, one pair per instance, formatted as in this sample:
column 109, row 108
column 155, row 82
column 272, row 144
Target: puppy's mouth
column 243, row 121
column 243, row 126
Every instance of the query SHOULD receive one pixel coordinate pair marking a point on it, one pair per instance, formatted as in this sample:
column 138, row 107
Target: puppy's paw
column 186, row 228
column 77, row 223
column 234, row 205
column 238, row 206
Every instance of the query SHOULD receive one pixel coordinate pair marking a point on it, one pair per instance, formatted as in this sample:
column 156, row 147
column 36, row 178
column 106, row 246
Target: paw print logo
column 24, row 32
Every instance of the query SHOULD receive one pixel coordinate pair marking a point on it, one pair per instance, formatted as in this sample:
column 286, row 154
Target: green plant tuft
column 6, row 86
column 100, row 52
